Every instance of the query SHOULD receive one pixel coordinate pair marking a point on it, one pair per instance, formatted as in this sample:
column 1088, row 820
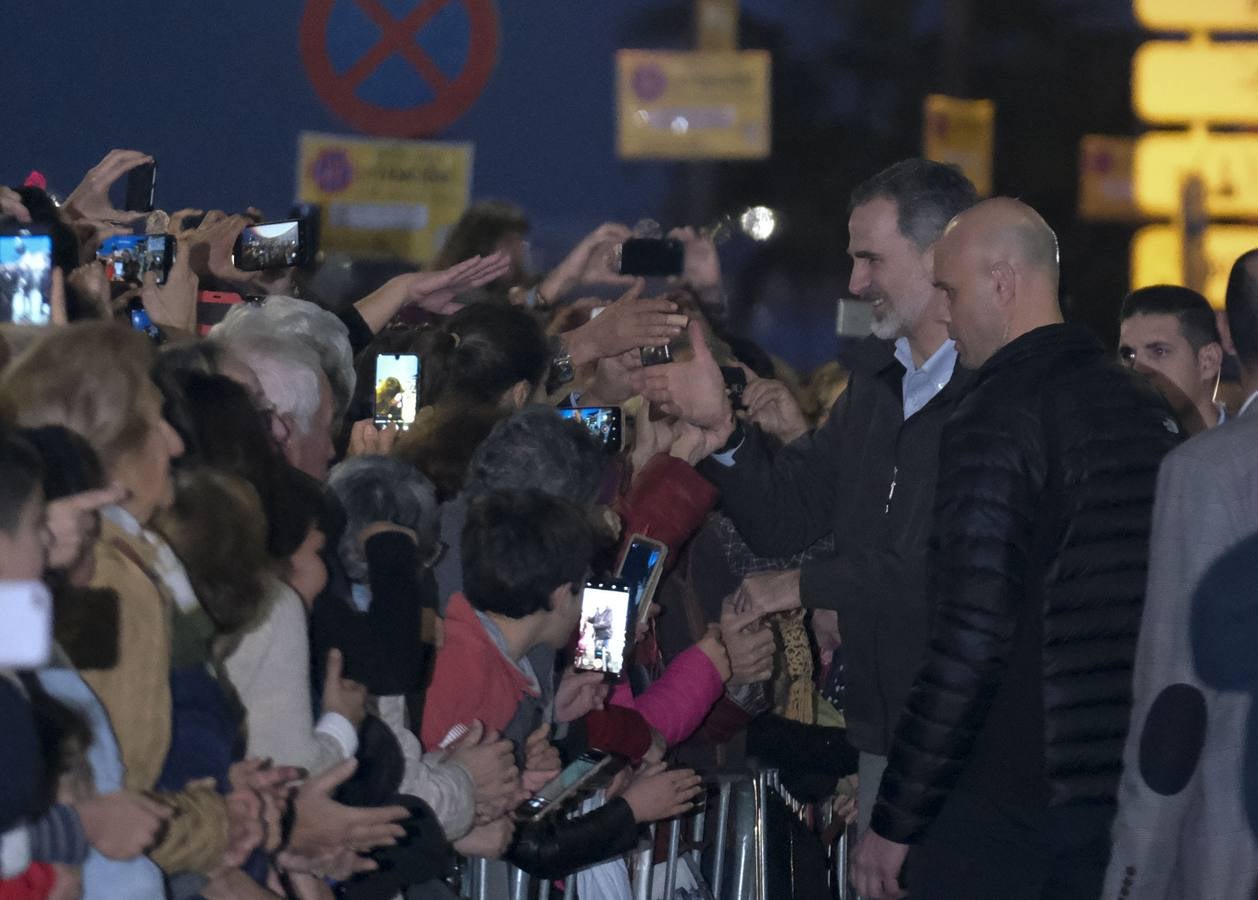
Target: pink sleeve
column 677, row 703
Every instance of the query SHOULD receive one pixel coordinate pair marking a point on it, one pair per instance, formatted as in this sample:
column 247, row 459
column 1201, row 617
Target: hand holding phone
column 273, row 245
column 591, row 770
column 141, row 182
column 642, row 567
column 651, row 257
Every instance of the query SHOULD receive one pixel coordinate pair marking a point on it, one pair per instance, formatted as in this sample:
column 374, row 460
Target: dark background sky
column 216, row 91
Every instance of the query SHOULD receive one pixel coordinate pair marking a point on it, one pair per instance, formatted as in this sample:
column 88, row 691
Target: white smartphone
column 26, row 638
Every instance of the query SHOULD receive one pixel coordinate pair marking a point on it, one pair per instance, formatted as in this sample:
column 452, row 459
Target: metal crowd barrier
column 725, row 854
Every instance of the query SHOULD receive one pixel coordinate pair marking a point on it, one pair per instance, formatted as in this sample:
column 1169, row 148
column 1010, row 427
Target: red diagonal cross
column 397, row 37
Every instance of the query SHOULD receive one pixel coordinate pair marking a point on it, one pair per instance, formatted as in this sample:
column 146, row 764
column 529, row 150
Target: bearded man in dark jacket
column 1004, row 765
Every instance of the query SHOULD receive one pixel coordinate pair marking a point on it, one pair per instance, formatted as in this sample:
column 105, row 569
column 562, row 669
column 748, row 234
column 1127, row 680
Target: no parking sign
column 399, row 68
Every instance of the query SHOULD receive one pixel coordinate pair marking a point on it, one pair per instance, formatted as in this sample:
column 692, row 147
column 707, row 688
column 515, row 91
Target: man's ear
column 1005, row 283
column 560, row 596
column 1210, row 361
column 521, row 391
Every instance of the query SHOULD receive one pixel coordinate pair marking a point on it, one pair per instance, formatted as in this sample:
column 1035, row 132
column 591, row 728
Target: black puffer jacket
column 1038, row 558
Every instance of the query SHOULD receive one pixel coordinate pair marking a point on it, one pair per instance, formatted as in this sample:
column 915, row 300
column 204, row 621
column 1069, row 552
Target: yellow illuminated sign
column 1105, row 193
column 1226, row 163
column 961, row 132
column 1180, row 81
column 677, row 105
column 384, row 197
column 1157, row 256
column 1204, row 15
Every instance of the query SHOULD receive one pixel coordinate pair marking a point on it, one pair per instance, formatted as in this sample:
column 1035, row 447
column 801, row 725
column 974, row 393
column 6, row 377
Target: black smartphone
column 652, row 257
column 397, row 389
column 735, row 384
column 590, row 770
column 607, row 616
column 140, row 184
column 657, row 356
column 604, row 422
column 26, row 275
column 272, row 245
column 128, row 257
column 641, row 567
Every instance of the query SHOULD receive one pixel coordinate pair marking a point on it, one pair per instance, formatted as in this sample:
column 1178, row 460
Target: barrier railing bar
column 722, row 827
column 670, row 870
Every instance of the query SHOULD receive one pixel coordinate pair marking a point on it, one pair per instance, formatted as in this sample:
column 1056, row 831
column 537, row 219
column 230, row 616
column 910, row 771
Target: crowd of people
column 979, row 587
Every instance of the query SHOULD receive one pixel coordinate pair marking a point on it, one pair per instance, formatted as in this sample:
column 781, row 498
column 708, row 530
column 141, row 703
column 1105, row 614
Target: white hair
column 287, row 317
column 288, row 371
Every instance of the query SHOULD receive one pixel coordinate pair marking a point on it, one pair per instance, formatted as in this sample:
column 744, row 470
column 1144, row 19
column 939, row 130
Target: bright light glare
column 759, row 223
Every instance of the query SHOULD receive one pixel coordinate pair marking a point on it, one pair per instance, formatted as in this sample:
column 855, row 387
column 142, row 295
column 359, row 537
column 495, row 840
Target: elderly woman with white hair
column 387, row 629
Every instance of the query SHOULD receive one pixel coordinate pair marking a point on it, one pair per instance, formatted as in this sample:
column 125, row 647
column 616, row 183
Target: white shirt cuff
column 341, row 730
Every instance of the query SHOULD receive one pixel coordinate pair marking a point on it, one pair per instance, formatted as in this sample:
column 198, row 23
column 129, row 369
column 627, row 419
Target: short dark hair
column 23, row 474
column 927, row 196
column 1242, row 306
column 536, row 448
column 478, row 231
column 1197, row 322
column 518, row 546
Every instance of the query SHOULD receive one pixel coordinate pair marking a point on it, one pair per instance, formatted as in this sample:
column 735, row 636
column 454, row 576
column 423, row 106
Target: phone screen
column 653, row 257
column 275, row 245
column 606, row 611
column 604, row 422
column 580, row 772
column 641, row 569
column 26, row 278
column 127, row 257
column 397, row 389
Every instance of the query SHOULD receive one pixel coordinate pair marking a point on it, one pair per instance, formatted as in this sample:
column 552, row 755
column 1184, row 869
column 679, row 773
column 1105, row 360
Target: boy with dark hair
column 1170, row 335
column 525, row 558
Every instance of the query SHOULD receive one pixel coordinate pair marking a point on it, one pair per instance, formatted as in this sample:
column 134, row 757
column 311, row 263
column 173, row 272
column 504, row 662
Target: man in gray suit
column 1181, row 831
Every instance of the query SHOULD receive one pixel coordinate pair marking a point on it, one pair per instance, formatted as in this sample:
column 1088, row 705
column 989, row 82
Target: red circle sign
column 453, row 97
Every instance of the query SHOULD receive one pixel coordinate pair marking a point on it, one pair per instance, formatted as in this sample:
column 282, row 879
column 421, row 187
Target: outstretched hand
column 436, row 291
column 90, row 200
column 693, row 390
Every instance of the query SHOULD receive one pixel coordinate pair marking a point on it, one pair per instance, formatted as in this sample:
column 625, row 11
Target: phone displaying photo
column 656, row 356
column 652, row 257
column 26, row 276
column 274, row 245
column 397, row 389
column 129, row 257
column 583, row 774
column 641, row 567
column 604, row 422
column 606, row 614
column 141, row 182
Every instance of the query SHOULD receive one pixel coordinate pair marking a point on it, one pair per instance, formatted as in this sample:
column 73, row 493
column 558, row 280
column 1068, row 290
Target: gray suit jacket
column 1185, row 836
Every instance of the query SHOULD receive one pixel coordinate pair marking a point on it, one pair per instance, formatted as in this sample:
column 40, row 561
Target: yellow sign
column 1105, row 179
column 1157, row 256
column 1226, row 163
column 716, row 25
column 1194, row 15
column 384, row 197
column 675, row 105
column 1174, row 81
column 961, row 132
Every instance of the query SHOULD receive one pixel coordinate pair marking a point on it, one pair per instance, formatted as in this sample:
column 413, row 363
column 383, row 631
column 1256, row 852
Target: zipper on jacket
column 891, row 493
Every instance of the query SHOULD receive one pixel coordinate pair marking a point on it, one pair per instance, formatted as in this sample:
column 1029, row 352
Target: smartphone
column 657, row 356
column 397, row 389
column 273, row 245
column 651, row 257
column 140, row 321
column 140, row 184
column 735, row 384
column 606, row 617
column 590, row 770
column 854, row 318
column 128, row 257
column 604, row 422
column 641, row 567
column 26, row 275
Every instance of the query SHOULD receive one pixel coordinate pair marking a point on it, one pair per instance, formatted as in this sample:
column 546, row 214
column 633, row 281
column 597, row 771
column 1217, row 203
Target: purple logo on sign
column 332, row 171
column 648, row 82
